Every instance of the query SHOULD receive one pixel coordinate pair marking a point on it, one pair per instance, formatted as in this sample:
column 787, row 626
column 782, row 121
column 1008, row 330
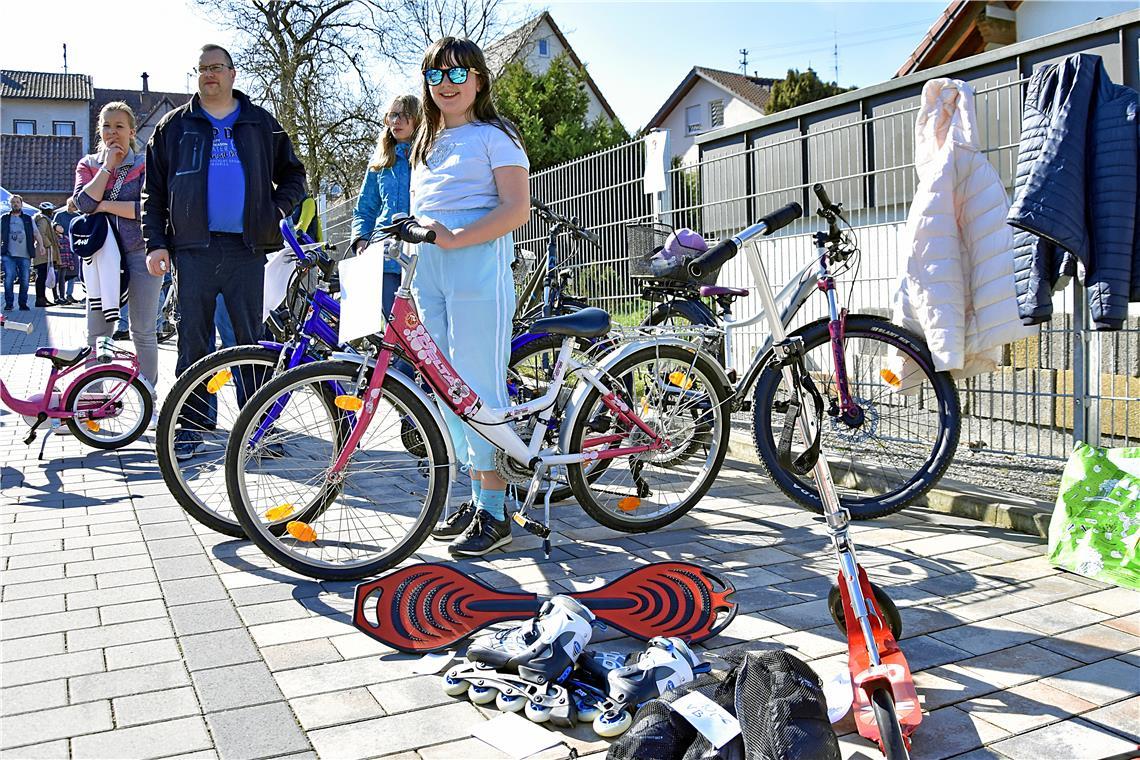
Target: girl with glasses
column 469, row 185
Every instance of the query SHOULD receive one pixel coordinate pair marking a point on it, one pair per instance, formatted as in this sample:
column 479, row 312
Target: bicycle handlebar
column 408, row 230
column 24, row 327
column 728, row 248
column 824, row 199
column 571, row 224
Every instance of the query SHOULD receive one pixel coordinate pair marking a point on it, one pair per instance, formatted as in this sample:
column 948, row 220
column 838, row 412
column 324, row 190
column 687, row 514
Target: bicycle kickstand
column 532, row 526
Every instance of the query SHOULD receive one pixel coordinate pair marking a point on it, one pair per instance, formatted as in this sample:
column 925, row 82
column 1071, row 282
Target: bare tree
column 421, row 22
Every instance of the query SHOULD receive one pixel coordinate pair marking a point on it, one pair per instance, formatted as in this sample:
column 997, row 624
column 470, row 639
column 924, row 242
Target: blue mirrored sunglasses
column 457, row 75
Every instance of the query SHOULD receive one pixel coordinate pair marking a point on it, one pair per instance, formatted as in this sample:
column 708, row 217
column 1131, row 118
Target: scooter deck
column 893, row 673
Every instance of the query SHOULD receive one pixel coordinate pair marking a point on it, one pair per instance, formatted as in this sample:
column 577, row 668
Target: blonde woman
column 110, row 181
column 386, row 188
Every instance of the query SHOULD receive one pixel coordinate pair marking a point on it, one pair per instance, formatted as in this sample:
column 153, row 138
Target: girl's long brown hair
column 457, row 51
column 385, row 153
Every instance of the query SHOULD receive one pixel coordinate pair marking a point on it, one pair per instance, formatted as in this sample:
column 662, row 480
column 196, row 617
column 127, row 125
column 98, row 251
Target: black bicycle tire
column 144, row 419
column 865, row 327
column 349, row 372
column 205, row 367
column 890, row 731
column 885, row 604
column 580, row 485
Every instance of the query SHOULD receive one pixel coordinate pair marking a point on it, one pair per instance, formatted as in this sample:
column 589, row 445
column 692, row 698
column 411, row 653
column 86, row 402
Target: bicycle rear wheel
column 890, row 454
column 203, row 404
column 124, row 420
column 367, row 519
column 680, row 395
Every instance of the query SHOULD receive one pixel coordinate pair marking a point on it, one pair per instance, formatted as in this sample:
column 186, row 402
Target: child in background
column 469, row 185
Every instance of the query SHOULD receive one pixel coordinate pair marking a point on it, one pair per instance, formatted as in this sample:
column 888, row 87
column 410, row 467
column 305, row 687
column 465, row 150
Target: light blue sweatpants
column 466, row 298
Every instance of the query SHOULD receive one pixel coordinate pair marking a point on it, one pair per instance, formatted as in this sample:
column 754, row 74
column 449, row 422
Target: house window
column 23, row 126
column 544, row 48
column 63, row 128
column 716, row 113
column 692, row 120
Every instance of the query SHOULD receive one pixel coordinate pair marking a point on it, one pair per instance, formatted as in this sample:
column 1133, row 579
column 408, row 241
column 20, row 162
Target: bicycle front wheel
column 678, row 393
column 359, row 522
column 890, row 452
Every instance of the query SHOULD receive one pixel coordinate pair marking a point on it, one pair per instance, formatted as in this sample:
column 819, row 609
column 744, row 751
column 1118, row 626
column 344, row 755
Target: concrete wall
column 736, row 111
column 1038, row 17
column 43, row 112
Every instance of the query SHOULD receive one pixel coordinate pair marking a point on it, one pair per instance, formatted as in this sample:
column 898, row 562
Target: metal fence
column 1068, row 382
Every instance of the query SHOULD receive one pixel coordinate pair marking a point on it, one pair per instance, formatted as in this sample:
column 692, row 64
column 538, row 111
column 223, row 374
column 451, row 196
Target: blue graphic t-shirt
column 225, row 193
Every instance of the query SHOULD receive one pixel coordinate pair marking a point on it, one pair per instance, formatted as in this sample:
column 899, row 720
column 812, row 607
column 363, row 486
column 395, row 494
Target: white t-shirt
column 459, row 173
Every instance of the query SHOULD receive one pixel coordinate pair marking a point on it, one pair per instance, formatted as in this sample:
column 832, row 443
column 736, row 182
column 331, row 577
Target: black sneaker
column 186, row 443
column 121, row 335
column 456, row 523
column 484, row 535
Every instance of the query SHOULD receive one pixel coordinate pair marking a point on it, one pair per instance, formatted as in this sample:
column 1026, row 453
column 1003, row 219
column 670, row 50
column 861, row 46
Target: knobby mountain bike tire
column 896, row 452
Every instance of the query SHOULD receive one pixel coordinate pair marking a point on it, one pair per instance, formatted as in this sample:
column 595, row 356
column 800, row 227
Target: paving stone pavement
column 131, row 631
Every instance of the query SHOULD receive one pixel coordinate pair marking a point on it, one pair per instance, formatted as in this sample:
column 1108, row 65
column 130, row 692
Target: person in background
column 47, row 257
column 69, row 263
column 221, row 175
column 19, row 242
column 110, row 182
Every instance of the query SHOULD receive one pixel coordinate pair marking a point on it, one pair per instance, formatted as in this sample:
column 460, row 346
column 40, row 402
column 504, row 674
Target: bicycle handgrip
column 24, row 327
column 722, row 252
column 824, row 199
column 782, row 217
column 539, row 204
column 591, row 236
column 415, row 234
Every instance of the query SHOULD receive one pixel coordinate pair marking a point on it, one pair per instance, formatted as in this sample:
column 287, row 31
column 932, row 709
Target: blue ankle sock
column 476, row 489
column 492, row 503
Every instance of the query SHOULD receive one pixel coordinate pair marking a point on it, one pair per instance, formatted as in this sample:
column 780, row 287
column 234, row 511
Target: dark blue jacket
column 29, row 233
column 1075, row 195
column 385, row 193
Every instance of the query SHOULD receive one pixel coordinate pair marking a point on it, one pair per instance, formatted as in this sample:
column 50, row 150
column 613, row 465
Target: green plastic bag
column 1096, row 524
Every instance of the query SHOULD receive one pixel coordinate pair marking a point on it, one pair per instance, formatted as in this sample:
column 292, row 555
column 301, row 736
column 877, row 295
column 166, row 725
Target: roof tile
column 42, row 85
column 40, row 163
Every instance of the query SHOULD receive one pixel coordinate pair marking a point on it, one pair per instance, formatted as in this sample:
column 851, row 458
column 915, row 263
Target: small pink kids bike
column 100, row 394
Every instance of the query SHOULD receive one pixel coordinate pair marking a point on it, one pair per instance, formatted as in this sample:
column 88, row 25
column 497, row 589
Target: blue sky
column 637, row 52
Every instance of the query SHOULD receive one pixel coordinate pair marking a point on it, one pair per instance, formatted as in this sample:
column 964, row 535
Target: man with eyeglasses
column 220, row 175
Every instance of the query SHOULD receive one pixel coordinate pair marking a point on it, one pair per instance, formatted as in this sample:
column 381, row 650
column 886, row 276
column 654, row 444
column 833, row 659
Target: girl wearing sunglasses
column 470, row 185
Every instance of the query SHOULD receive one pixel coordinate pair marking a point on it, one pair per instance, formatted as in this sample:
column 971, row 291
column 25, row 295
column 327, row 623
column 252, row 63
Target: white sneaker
column 153, row 422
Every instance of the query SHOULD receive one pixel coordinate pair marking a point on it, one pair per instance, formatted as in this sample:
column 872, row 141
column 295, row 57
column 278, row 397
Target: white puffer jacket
column 957, row 288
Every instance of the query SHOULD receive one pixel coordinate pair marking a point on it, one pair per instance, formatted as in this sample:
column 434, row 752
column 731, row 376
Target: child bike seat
column 587, row 323
column 711, row 291
column 63, row 357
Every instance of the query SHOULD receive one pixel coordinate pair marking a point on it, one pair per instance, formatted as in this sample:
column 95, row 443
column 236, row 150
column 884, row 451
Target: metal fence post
column 1086, row 372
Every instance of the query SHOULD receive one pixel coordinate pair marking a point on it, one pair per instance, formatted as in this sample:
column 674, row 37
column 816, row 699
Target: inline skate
column 523, row 667
column 612, row 685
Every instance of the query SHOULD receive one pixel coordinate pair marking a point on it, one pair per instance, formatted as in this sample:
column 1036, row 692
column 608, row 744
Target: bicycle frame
column 405, row 330
column 34, row 406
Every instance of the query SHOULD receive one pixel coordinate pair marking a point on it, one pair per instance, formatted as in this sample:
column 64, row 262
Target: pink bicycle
column 99, row 394
column 339, row 469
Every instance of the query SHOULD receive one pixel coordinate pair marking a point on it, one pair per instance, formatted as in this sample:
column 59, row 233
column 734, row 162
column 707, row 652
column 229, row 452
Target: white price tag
column 361, row 293
column 714, row 722
column 432, row 662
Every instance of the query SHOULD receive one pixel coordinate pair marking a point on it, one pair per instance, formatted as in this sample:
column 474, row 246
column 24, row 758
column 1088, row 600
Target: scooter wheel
column 607, row 726
column 537, row 713
column 454, row 687
column 482, row 695
column 510, row 702
column 891, row 739
column 882, row 601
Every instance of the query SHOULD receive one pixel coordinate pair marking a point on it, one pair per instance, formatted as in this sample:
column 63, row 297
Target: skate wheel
column 509, row 702
column 453, row 687
column 481, row 695
column 587, row 713
column 537, row 713
column 607, row 726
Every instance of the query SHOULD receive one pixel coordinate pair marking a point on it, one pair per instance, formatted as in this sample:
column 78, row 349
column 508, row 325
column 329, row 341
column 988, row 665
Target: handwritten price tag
column 714, row 722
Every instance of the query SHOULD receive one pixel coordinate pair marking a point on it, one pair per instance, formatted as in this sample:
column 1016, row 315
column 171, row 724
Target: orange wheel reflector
column 629, row 503
column 349, row 403
column 301, row 531
column 678, row 379
column 92, row 425
column 279, row 513
column 220, row 378
column 890, row 378
column 644, row 405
